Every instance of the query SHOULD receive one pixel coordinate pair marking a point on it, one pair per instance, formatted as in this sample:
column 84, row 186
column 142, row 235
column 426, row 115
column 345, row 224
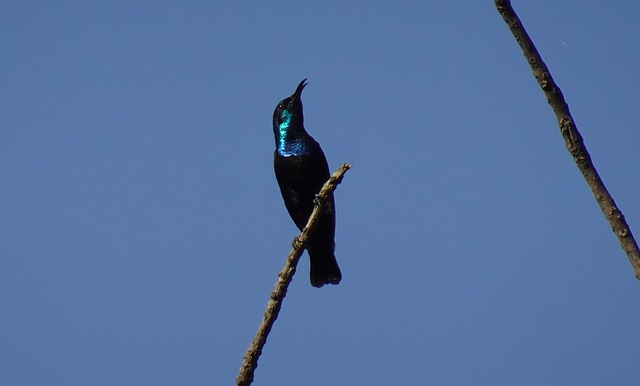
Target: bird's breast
column 293, row 148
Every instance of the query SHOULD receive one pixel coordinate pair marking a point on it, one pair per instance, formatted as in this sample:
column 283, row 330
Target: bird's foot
column 317, row 201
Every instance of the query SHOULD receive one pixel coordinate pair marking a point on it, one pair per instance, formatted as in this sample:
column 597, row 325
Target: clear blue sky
column 141, row 227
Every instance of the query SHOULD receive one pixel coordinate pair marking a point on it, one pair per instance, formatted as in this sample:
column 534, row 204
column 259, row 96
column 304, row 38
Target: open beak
column 298, row 93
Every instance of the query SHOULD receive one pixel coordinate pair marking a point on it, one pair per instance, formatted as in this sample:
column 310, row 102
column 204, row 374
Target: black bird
column 301, row 170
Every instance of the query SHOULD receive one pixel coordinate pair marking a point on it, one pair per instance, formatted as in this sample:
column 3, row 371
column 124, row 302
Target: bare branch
column 284, row 278
column 572, row 137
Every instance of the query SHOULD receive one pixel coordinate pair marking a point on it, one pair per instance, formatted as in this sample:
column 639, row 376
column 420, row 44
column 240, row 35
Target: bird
column 301, row 169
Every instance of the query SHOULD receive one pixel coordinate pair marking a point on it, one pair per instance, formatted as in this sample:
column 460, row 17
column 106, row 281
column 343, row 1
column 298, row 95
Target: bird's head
column 288, row 112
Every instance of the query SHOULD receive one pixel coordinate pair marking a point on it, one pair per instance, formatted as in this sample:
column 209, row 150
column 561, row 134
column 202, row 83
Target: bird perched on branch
column 301, row 170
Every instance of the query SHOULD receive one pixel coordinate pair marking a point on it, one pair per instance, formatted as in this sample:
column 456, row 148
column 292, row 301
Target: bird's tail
column 324, row 268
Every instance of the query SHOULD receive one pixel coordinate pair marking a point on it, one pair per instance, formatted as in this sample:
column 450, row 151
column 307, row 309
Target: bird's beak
column 298, row 93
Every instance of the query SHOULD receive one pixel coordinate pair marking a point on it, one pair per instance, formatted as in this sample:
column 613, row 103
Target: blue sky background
column 141, row 225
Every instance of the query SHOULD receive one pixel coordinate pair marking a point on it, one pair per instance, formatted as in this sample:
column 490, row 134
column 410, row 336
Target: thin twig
column 284, row 278
column 572, row 137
